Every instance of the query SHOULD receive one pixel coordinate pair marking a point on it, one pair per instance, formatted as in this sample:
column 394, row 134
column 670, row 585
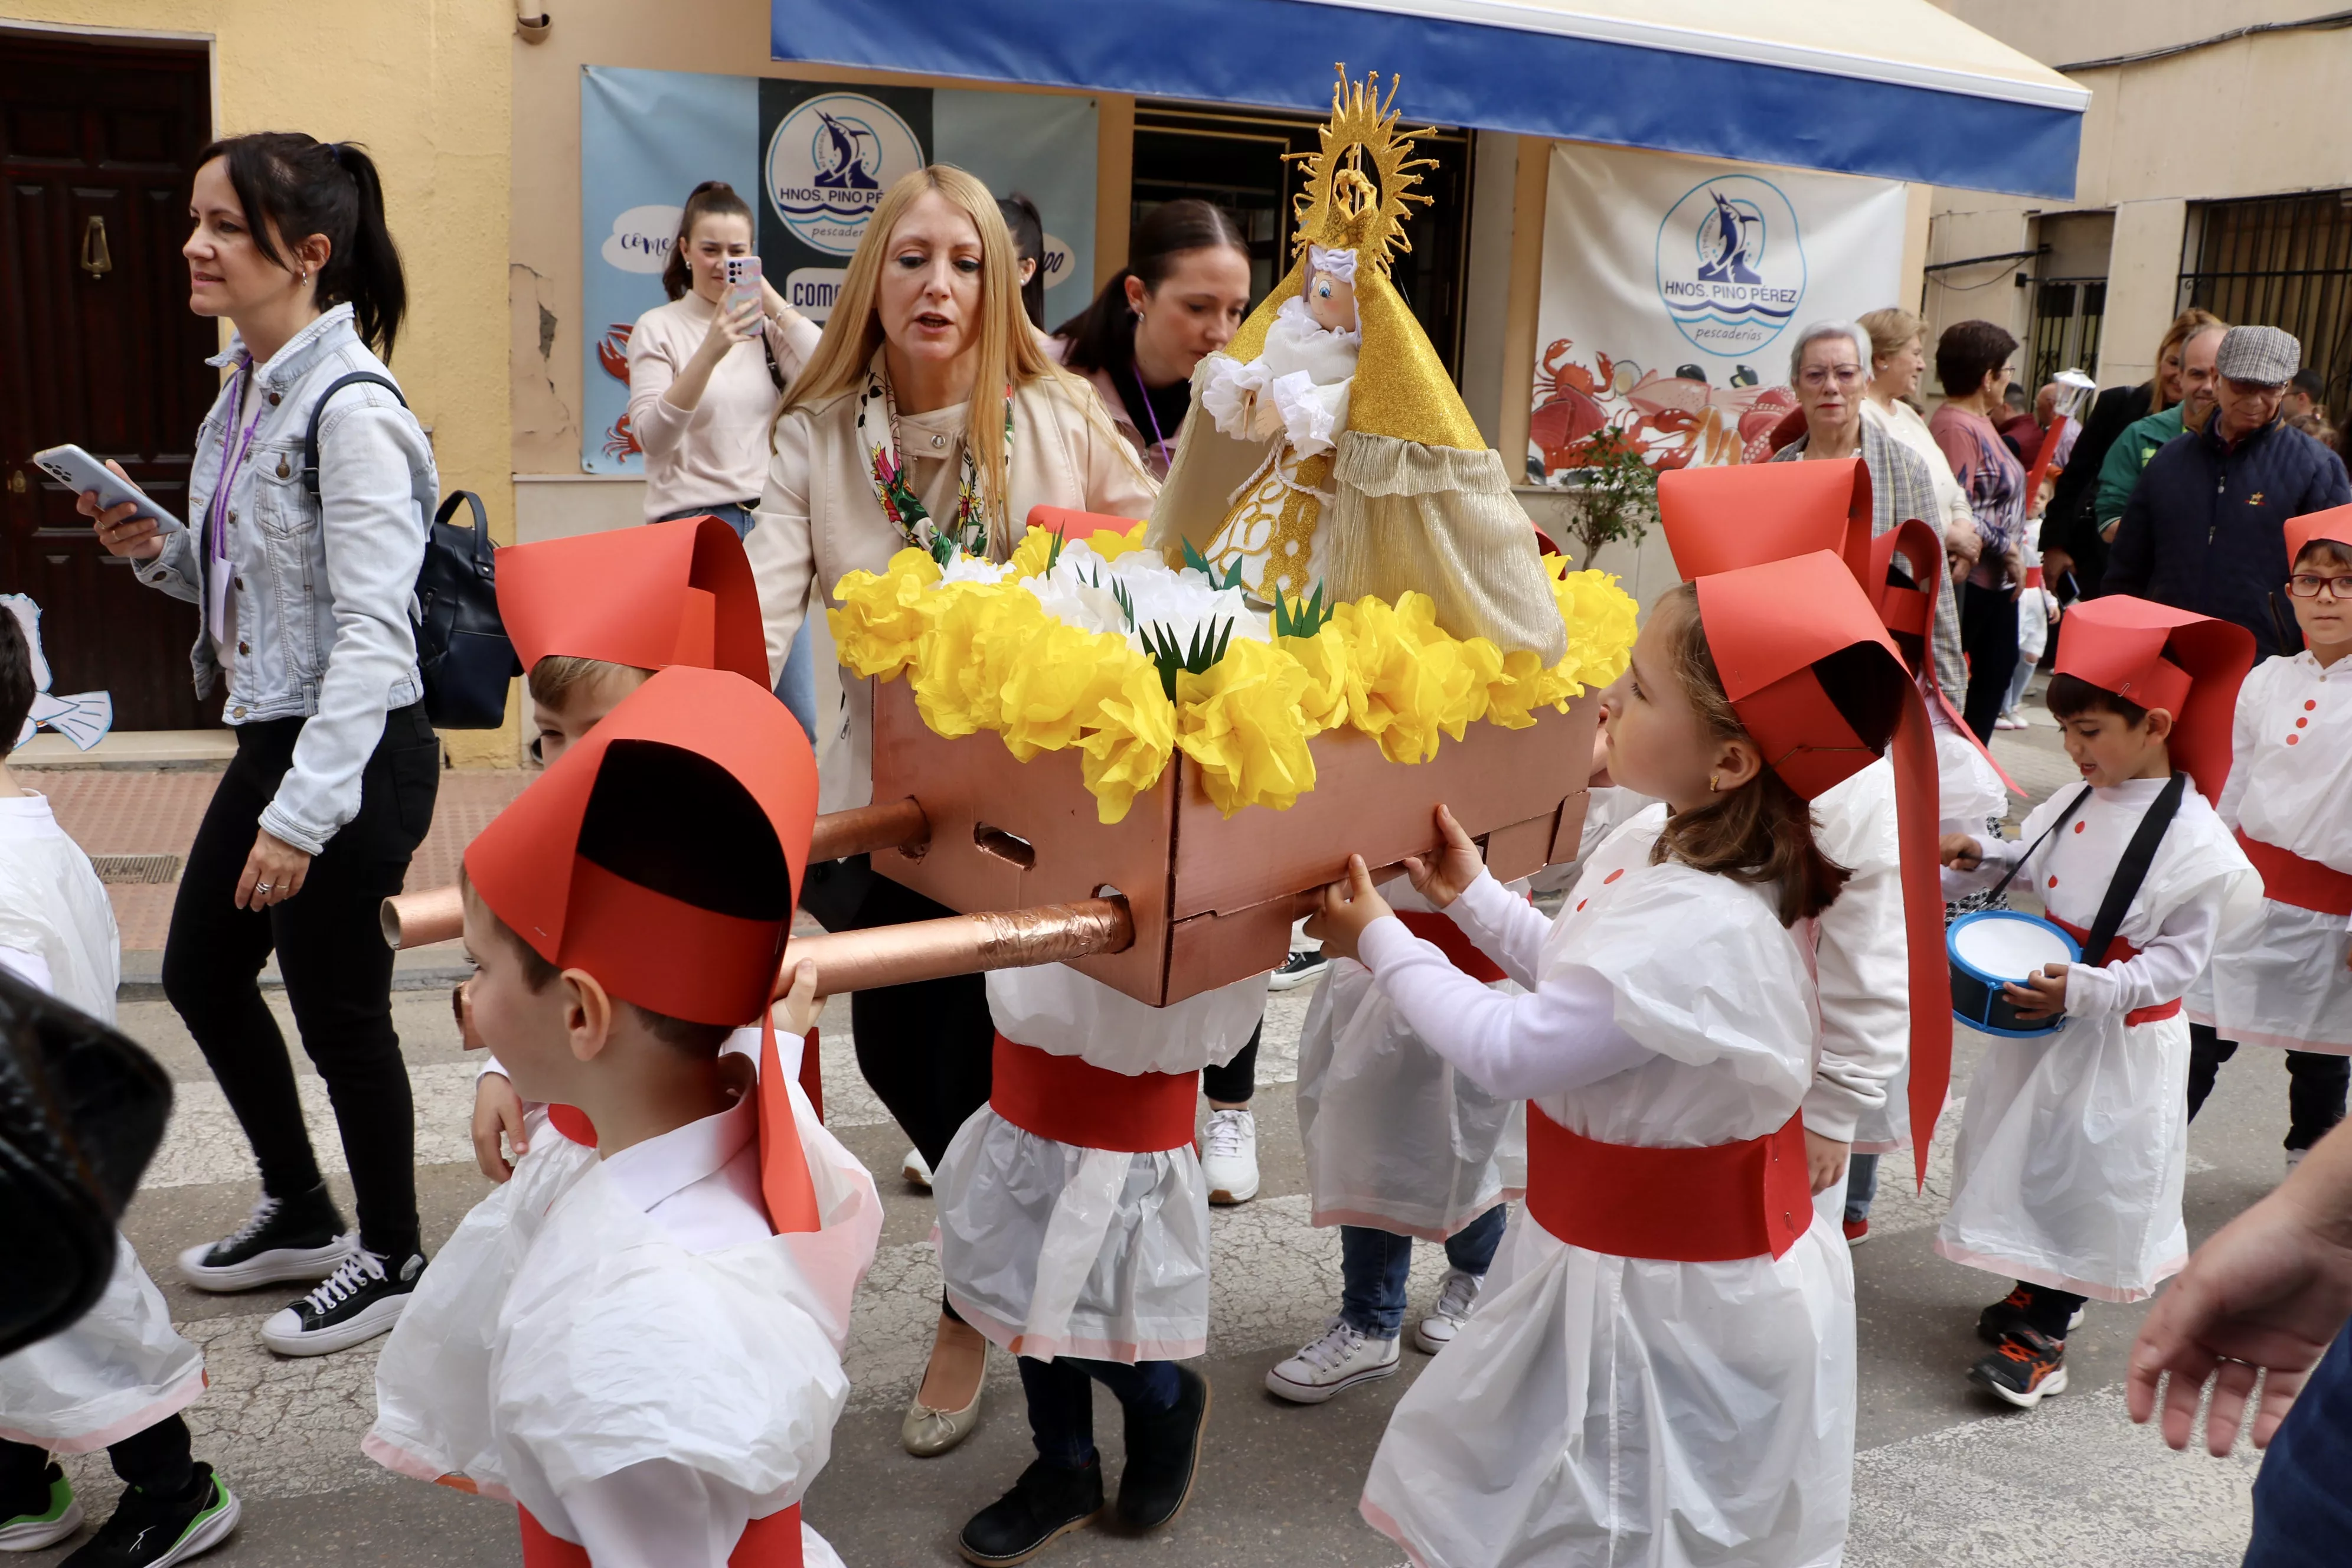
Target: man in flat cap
column 2204, row 529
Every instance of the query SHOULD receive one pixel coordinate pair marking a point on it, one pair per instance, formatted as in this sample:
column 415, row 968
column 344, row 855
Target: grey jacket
column 323, row 588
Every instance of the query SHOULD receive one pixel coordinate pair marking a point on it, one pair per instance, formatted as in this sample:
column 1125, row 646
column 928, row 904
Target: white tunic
column 1053, row 1249
column 1864, row 957
column 2281, row 980
column 618, row 1345
column 121, row 1367
column 1396, row 1137
column 1611, row 1410
column 2073, row 1145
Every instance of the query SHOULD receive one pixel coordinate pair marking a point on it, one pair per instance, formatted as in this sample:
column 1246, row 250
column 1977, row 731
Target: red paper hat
column 1073, row 525
column 2186, row 664
column 1822, row 690
column 2334, row 523
column 1907, row 610
column 1721, row 519
column 665, row 594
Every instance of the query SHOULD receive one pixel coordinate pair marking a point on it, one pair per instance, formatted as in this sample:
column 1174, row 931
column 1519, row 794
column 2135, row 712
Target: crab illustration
column 612, row 352
column 83, row 718
column 620, row 441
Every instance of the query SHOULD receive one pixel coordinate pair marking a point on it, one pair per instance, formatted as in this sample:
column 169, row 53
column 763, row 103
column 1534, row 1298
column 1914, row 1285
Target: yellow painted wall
column 426, row 86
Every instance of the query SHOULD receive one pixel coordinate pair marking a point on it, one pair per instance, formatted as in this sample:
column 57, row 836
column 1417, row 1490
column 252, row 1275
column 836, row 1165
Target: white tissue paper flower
column 1085, row 590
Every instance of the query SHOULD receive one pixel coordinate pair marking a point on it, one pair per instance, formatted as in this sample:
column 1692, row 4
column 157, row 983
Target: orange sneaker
column 2029, row 1366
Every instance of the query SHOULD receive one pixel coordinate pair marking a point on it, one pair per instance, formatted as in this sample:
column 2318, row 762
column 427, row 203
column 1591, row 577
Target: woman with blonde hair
column 1896, row 362
column 928, row 409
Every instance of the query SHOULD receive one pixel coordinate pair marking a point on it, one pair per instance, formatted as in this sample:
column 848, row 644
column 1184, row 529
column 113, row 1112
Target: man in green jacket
column 2143, row 438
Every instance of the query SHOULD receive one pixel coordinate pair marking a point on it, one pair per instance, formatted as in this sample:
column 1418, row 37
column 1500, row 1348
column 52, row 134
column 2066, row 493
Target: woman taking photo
column 927, row 367
column 304, row 594
column 705, row 381
column 1181, row 297
column 1972, row 362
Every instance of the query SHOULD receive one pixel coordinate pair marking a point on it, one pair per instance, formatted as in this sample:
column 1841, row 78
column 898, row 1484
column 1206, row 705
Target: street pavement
column 1942, row 1475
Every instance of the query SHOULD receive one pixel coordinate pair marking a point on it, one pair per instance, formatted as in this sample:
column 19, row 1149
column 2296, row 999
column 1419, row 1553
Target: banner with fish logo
column 1673, row 289
column 813, row 161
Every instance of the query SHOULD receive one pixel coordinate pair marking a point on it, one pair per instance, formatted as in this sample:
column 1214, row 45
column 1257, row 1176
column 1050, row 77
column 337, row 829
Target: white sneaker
column 1228, row 1156
column 362, row 1298
column 1457, row 1294
column 916, row 1169
column 1344, row 1357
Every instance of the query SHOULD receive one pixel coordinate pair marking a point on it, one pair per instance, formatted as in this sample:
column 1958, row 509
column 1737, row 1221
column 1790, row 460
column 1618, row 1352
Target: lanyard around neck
column 233, row 455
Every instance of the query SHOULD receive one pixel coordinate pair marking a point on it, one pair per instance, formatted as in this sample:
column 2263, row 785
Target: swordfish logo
column 1732, row 264
column 829, row 163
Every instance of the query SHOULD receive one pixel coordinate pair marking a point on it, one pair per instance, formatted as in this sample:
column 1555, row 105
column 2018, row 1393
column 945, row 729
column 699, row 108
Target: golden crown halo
column 1341, row 208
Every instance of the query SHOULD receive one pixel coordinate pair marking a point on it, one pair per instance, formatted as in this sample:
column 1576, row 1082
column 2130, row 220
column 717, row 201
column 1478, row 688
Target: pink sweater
column 718, row 451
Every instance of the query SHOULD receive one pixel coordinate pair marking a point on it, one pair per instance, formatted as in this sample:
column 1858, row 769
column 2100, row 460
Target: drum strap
column 1992, row 899
column 2132, row 869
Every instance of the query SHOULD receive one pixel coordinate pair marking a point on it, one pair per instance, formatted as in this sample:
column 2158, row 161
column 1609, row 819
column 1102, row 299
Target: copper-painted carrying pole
column 438, row 914
column 959, row 944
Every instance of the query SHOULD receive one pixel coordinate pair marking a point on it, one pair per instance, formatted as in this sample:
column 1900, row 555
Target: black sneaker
column 1163, row 1455
column 2010, row 1313
column 45, row 1515
column 1299, row 969
column 283, row 1240
column 148, row 1532
column 1046, row 1503
column 2028, row 1367
column 355, row 1304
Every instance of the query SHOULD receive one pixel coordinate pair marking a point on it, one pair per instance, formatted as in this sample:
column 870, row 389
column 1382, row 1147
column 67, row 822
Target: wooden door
column 98, row 346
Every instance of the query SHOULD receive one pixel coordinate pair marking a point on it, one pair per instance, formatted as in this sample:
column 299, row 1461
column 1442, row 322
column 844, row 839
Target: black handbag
column 462, row 649
column 81, row 1112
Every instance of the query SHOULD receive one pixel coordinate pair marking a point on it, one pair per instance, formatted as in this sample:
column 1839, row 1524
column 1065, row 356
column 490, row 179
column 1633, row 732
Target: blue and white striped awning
column 1896, row 89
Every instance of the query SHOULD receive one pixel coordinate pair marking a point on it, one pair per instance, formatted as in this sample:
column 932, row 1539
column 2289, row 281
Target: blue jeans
column 1062, row 1401
column 797, row 688
column 2303, row 1516
column 1373, row 1265
column 1861, row 1186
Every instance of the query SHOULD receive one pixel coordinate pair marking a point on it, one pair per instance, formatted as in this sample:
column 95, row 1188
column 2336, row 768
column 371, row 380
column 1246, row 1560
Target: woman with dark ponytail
column 1181, row 297
column 1028, row 231
column 303, row 579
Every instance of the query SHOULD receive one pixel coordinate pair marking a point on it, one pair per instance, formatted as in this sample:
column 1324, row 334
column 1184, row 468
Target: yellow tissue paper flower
column 1133, row 736
column 1060, row 684
column 1030, row 555
column 1415, row 683
column 883, row 617
column 1334, row 691
column 1239, row 721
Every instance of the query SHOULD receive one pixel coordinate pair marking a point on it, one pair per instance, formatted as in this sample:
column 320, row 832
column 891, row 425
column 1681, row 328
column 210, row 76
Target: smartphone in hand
column 79, row 471
column 744, row 273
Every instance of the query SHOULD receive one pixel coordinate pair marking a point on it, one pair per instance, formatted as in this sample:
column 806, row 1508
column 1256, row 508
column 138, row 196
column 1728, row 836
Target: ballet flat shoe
column 926, row 1433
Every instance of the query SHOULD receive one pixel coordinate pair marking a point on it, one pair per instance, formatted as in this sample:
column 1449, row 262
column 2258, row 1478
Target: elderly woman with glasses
column 1830, row 368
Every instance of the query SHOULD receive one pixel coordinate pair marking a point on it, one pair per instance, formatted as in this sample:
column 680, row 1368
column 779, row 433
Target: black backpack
column 461, row 644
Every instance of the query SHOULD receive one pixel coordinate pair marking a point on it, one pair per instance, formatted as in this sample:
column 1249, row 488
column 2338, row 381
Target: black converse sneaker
column 150, row 1531
column 283, row 1240
column 355, row 1304
column 46, row 1514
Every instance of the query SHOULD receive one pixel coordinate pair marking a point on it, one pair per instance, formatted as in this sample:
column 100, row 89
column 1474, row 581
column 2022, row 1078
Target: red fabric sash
column 1677, row 1206
column 1075, row 1103
column 2292, row 879
column 770, row 1542
column 1450, row 940
column 2119, row 952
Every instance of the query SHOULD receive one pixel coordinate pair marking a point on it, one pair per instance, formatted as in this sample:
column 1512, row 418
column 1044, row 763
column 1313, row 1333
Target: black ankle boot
column 1047, row 1503
column 1163, row 1455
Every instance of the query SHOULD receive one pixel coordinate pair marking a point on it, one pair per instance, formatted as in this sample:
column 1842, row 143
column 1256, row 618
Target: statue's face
column 1331, row 302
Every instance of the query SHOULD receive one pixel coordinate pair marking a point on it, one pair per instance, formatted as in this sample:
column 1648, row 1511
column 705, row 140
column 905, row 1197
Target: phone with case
column 743, row 274
column 79, row 471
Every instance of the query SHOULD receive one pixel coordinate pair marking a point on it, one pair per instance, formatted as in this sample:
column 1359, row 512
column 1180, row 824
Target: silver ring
column 261, row 886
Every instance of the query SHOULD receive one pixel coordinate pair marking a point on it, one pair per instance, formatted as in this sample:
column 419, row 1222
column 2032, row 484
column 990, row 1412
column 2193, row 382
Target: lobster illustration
column 612, row 352
column 621, row 441
column 1673, row 421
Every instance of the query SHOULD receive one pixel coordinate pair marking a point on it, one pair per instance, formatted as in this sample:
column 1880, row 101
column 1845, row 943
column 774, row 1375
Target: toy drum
column 1996, row 947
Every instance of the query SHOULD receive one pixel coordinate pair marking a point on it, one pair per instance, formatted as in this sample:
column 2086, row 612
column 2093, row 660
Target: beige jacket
column 821, row 519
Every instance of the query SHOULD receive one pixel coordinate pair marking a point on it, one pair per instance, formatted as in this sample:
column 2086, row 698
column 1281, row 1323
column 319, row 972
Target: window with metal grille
column 2067, row 313
column 2279, row 261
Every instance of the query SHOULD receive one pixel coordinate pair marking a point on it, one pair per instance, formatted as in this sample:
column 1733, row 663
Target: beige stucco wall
column 423, row 85
column 2248, row 118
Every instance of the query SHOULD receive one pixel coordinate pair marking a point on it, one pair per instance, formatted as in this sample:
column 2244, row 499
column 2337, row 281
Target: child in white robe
column 117, row 1378
column 1666, row 1345
column 2073, row 1145
column 639, row 1342
column 2286, row 980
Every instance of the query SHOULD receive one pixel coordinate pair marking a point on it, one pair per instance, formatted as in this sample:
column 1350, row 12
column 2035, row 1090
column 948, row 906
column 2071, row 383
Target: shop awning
column 1896, row 89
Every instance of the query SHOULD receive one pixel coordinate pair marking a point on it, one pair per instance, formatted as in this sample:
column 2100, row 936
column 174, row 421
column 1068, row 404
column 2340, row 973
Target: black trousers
column 2316, row 1083
column 1233, row 1083
column 2048, row 1309
column 156, row 1460
column 1989, row 637
column 338, row 971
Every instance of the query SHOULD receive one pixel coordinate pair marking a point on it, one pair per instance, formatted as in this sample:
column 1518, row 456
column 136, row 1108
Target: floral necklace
column 877, row 430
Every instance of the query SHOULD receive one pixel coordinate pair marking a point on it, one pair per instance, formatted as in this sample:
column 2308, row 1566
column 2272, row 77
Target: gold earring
column 1714, row 783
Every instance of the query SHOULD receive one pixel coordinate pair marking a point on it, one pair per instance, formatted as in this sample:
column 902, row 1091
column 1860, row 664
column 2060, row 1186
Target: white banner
column 1673, row 288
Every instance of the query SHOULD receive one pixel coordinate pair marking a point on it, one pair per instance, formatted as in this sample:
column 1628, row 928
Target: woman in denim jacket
column 305, row 599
